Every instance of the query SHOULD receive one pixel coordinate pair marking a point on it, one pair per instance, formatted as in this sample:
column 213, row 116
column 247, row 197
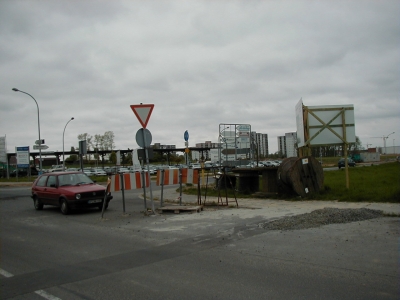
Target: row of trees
column 98, row 141
column 105, row 142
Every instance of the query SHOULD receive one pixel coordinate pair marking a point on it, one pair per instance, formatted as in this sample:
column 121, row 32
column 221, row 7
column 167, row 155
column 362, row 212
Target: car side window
column 51, row 182
column 42, row 181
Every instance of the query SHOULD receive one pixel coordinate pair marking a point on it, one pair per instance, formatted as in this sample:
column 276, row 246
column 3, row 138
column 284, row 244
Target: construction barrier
column 190, row 176
column 130, row 181
column 171, row 176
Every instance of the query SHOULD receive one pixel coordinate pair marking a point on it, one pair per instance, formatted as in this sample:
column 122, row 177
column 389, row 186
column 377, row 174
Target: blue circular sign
column 186, row 135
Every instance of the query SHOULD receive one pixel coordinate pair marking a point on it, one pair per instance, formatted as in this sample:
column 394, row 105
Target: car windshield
column 74, row 179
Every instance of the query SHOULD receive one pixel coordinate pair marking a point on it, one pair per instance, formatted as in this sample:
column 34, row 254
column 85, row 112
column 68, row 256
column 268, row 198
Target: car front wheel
column 64, row 207
column 36, row 202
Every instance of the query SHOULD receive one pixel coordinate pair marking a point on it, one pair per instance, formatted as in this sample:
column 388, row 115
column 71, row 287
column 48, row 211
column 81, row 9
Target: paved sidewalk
column 272, row 206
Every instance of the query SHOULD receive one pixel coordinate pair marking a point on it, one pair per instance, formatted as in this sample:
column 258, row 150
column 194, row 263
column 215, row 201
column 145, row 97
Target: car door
column 50, row 192
column 40, row 188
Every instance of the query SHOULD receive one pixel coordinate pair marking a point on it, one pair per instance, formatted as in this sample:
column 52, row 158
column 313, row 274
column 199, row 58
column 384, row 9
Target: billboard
column 22, row 154
column 236, row 138
column 326, row 125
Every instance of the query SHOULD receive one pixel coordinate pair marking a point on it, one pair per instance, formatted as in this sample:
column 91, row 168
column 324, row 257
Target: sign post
column 143, row 113
column 186, row 138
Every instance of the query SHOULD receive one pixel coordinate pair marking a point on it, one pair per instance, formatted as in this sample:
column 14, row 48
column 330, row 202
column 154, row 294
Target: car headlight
column 78, row 196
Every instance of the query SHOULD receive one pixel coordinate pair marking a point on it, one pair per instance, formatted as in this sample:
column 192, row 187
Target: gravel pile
column 321, row 217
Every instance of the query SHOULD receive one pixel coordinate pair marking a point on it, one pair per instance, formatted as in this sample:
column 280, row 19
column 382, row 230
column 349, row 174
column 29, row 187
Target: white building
column 261, row 143
column 287, row 144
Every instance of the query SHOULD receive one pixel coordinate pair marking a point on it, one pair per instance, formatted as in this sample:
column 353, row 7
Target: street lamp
column 40, row 141
column 220, row 137
column 63, row 143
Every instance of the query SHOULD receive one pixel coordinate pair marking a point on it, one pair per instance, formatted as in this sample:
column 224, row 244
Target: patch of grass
column 376, row 183
column 20, row 179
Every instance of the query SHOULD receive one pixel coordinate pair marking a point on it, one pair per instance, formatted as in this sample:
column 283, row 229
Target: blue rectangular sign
column 22, row 154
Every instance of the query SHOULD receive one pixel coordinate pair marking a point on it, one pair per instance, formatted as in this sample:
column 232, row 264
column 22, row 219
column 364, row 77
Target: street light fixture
column 63, row 143
column 221, row 138
column 40, row 141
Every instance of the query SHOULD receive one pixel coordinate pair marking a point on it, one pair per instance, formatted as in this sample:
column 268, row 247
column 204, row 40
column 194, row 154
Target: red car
column 68, row 190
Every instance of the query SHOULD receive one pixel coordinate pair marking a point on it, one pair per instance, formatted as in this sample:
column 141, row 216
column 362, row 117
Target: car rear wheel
column 64, row 207
column 36, row 202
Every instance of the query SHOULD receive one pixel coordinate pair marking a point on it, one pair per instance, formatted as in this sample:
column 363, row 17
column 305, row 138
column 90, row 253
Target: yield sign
column 143, row 112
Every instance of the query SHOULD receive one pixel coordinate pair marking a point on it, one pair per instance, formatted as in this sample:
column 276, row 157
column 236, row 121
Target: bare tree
column 98, row 142
column 108, row 140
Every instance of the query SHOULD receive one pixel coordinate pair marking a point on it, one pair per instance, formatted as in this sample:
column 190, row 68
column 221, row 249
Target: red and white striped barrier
column 130, row 181
column 171, row 176
column 190, row 176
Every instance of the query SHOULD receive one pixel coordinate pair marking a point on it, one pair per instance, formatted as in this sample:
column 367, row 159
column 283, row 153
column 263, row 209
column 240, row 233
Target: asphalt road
column 219, row 253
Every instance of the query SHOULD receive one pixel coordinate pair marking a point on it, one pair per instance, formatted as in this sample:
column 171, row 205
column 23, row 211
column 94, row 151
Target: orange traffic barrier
column 130, row 181
column 171, row 176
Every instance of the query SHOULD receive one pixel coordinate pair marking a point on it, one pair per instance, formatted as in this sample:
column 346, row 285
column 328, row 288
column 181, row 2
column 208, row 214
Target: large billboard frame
column 325, row 125
column 235, row 141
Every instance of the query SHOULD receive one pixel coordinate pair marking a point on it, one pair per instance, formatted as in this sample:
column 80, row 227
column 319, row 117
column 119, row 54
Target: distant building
column 261, row 143
column 245, row 147
column 208, row 144
column 282, row 145
column 159, row 146
column 207, row 155
column 287, row 144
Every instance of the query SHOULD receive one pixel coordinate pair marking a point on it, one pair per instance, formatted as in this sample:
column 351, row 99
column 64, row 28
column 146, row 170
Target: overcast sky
column 201, row 63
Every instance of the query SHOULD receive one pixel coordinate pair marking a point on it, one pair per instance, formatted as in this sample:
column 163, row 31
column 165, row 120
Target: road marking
column 40, row 292
column 46, row 295
column 5, row 273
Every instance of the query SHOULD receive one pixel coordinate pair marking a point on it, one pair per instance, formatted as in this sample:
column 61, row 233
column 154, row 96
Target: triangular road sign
column 143, row 112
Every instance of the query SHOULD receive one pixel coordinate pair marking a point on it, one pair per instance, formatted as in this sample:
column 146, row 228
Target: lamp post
column 40, row 141
column 224, row 140
column 63, row 142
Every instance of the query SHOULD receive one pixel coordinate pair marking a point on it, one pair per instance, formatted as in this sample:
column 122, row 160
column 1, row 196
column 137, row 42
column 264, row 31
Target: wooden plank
column 180, row 208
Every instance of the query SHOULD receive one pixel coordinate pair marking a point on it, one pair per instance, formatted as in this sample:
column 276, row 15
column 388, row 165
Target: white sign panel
column 300, row 123
column 22, row 154
column 330, row 114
